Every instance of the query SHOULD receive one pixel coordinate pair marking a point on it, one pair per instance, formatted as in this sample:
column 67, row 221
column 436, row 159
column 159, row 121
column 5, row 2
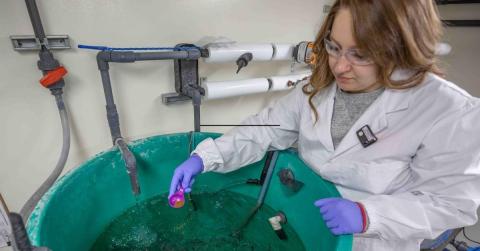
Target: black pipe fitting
column 276, row 223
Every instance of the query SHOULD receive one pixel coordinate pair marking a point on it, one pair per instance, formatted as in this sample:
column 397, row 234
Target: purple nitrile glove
column 340, row 215
column 184, row 174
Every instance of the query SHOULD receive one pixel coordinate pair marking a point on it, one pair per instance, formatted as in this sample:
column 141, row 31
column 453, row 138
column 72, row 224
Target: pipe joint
column 47, row 62
column 276, row 223
column 122, row 56
column 113, row 122
column 130, row 164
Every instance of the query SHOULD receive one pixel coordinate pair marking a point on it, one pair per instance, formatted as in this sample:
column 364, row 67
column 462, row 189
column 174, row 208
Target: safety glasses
column 352, row 55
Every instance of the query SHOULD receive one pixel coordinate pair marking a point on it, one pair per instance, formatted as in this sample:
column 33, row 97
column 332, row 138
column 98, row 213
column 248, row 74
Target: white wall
column 30, row 129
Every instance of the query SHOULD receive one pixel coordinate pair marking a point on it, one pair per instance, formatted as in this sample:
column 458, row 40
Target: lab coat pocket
column 381, row 176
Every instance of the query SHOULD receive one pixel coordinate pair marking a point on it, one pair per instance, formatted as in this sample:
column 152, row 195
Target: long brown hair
column 393, row 33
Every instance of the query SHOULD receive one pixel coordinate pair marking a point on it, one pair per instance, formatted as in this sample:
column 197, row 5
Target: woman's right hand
column 185, row 173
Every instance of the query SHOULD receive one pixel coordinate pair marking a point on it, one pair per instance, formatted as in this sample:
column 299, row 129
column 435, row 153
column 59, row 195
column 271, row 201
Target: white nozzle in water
column 275, row 222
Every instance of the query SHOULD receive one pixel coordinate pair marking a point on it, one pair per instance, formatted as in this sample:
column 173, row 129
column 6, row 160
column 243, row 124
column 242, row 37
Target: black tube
column 281, row 234
column 113, row 122
column 35, row 19
column 107, row 87
column 261, row 196
column 266, row 166
column 112, row 114
column 462, row 23
column 196, row 110
column 22, row 242
column 443, row 2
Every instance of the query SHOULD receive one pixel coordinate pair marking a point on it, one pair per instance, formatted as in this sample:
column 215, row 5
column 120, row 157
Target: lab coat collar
column 375, row 116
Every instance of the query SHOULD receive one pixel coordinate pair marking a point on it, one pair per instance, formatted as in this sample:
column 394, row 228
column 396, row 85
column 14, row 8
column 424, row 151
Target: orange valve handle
column 53, row 76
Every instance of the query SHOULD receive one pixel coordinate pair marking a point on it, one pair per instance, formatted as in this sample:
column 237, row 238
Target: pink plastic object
column 177, row 200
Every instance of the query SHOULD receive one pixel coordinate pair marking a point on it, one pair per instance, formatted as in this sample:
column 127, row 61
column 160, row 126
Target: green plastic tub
column 82, row 204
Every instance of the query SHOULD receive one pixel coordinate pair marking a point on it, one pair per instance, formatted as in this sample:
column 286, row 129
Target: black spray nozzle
column 130, row 164
column 243, row 60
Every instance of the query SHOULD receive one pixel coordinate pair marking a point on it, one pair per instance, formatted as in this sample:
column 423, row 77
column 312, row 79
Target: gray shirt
column 348, row 107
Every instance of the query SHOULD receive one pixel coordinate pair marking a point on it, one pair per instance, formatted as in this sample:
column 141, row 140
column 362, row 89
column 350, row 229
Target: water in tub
column 154, row 225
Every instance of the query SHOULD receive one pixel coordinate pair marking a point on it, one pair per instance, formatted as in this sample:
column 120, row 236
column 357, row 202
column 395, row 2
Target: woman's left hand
column 341, row 216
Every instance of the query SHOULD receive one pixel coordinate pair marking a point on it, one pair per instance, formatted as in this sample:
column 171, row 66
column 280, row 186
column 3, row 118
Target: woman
column 375, row 118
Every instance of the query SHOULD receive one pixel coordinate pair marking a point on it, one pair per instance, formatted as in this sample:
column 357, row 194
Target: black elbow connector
column 102, row 60
column 104, row 57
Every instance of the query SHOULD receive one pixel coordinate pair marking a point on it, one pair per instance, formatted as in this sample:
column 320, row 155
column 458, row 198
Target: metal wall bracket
column 170, row 98
column 186, row 80
column 32, row 43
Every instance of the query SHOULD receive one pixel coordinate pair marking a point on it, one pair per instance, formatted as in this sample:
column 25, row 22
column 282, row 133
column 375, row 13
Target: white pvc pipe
column 225, row 89
column 226, row 52
column 282, row 82
column 283, row 51
column 231, row 52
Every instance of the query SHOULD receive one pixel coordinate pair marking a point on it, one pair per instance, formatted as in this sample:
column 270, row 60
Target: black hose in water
column 271, row 161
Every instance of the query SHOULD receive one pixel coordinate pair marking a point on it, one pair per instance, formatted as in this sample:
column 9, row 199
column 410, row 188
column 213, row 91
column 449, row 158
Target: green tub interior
column 82, row 204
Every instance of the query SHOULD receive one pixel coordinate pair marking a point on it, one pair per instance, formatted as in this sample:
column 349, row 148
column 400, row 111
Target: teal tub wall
column 78, row 208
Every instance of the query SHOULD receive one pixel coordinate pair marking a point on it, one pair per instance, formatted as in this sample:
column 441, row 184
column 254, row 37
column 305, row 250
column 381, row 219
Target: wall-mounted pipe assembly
column 225, row 89
column 52, row 79
column 187, row 84
column 103, row 60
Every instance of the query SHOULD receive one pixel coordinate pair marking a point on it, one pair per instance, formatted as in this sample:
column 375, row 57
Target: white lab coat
column 421, row 177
